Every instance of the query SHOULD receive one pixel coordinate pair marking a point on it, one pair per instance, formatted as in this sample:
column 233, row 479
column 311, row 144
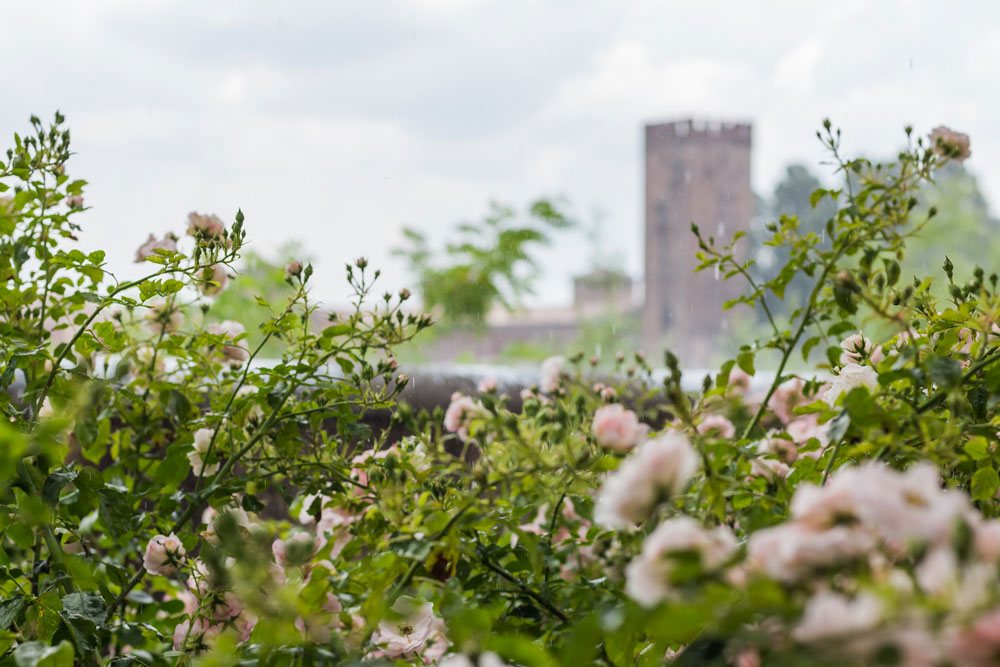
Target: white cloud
column 337, row 123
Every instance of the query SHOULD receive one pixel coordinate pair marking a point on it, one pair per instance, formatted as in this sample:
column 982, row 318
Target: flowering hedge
column 167, row 499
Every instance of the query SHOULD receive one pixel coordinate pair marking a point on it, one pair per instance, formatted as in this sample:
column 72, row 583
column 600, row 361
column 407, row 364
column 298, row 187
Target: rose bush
column 167, row 498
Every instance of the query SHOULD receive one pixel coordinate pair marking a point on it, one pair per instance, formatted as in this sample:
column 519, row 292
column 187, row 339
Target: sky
column 335, row 123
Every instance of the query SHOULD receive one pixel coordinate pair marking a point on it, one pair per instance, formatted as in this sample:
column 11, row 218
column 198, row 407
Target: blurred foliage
column 258, row 283
column 483, row 264
column 964, row 229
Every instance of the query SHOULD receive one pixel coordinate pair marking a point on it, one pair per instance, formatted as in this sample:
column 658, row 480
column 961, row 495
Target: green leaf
column 174, row 467
column 985, row 483
column 582, row 643
column 863, row 409
column 21, row 535
column 978, row 448
column 83, row 630
column 522, row 651
column 944, row 371
column 54, row 484
column 10, row 610
column 139, row 596
column 808, row 346
column 88, row 604
column 115, row 511
column 816, row 196
column 37, row 654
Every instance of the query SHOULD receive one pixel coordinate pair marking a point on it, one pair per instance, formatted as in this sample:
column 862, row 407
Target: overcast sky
column 336, row 123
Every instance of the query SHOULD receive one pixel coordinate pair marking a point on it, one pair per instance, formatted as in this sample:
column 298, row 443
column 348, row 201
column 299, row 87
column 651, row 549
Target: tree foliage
column 483, row 264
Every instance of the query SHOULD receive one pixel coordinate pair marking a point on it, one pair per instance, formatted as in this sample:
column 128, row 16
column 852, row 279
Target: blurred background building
column 695, row 172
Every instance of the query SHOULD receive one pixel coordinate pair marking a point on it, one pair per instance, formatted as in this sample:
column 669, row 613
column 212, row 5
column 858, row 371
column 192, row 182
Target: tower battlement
column 690, row 129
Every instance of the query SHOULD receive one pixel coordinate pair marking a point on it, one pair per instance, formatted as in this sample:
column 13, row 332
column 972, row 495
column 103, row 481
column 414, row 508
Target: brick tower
column 695, row 172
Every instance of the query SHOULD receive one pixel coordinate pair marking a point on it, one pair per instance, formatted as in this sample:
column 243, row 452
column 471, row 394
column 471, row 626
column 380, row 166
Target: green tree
column 490, row 262
column 791, row 198
column 259, row 282
column 963, row 228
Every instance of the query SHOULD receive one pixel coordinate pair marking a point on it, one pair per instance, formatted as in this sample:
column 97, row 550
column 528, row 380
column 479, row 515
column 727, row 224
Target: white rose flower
column 202, row 441
column 830, row 616
column 851, row 376
column 648, row 575
column 659, row 467
column 551, row 373
column 413, row 633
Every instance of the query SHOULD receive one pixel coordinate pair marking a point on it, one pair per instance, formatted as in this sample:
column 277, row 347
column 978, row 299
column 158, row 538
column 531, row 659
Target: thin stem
column 806, row 317
column 107, row 301
column 412, row 570
column 521, row 586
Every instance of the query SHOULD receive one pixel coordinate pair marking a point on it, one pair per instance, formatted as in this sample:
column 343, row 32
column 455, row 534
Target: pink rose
column 551, row 374
column 739, row 380
column 617, row 428
column 214, row 279
column 986, row 539
column 658, row 467
column 162, row 318
column 748, row 657
column 460, row 413
column 786, row 397
column 195, row 635
column 979, row 645
column 948, row 143
column 831, row 616
column 769, row 469
column 164, row 553
column 647, row 577
column 234, row 354
column 209, row 225
column 717, row 425
column 152, row 244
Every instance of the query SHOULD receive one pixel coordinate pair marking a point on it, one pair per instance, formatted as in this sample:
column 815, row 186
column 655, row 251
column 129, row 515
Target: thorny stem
column 521, row 586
